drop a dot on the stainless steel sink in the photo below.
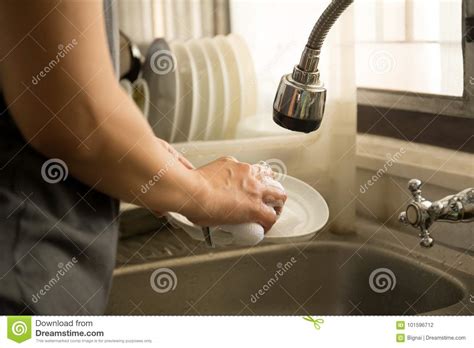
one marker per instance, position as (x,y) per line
(365,273)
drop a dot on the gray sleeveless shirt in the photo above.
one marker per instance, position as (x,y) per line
(57,238)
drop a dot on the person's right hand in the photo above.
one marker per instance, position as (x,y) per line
(232,192)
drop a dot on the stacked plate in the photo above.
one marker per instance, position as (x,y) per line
(199,89)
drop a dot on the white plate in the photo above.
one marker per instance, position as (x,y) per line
(232,86)
(159,71)
(217,96)
(200,91)
(304,214)
(248,77)
(210,93)
(184,98)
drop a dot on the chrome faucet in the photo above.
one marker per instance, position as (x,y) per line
(301,97)
(421,213)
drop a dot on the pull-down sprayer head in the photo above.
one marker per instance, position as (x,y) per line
(301,97)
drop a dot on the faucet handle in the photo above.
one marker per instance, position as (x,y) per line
(416,213)
(414,186)
(403,218)
(426,240)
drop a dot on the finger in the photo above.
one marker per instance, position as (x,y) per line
(278,209)
(274,196)
(267,217)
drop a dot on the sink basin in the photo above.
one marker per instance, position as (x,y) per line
(335,277)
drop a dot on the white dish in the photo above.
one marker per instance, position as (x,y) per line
(232,85)
(200,91)
(210,93)
(248,77)
(159,71)
(184,98)
(304,214)
(217,93)
(141,96)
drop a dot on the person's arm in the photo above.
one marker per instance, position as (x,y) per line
(69,105)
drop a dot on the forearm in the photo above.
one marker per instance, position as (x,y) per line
(116,152)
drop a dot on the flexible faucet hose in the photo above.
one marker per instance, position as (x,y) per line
(325,22)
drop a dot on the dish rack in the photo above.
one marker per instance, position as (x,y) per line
(199,89)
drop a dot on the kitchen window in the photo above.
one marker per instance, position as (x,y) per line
(415,68)
(410,45)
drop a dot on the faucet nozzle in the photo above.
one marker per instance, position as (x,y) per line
(301,97)
(299,101)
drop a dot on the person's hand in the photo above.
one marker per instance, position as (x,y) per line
(232,192)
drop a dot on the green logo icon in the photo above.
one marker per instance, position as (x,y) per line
(19,328)
(400,338)
(400,325)
(316,322)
